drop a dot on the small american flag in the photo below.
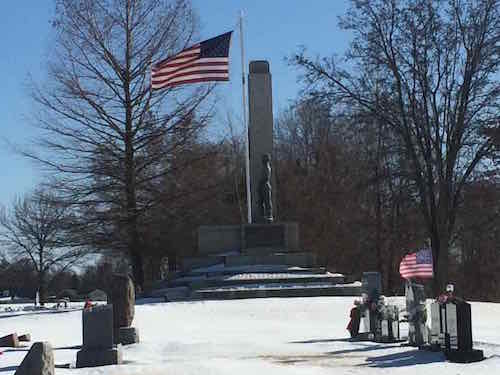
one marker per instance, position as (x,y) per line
(205,61)
(417,264)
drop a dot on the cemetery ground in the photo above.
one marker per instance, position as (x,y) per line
(252,336)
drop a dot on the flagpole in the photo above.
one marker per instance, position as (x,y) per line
(245,123)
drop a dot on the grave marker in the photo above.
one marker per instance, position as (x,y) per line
(98,348)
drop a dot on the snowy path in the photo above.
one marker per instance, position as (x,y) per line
(255,336)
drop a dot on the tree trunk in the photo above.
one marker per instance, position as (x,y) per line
(130,178)
(42,287)
(440,256)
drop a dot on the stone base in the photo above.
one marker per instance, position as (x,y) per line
(216,239)
(129,335)
(475,355)
(99,357)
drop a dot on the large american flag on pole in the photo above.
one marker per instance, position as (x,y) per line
(417,264)
(205,61)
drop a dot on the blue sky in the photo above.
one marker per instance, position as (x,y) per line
(273,29)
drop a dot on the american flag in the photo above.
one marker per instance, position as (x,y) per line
(417,264)
(205,61)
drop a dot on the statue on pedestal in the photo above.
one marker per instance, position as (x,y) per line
(265,190)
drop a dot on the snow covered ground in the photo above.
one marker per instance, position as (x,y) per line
(254,336)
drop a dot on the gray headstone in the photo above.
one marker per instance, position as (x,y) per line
(436,328)
(98,348)
(98,327)
(38,361)
(260,130)
(451,324)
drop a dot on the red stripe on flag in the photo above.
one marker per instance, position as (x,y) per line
(206,79)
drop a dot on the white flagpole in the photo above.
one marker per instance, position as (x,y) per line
(245,123)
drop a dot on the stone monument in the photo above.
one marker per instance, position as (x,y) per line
(122,297)
(39,360)
(260,136)
(264,231)
(98,348)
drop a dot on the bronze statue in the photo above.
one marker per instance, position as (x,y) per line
(265,190)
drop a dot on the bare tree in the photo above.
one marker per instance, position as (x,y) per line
(107,135)
(38,227)
(429,71)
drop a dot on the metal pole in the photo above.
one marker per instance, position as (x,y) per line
(245,123)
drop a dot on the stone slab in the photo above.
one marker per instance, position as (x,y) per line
(128,335)
(11,341)
(38,361)
(214,239)
(26,337)
(278,292)
(219,239)
(97,324)
(290,259)
(99,357)
(225,281)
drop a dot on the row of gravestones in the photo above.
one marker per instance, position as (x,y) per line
(105,329)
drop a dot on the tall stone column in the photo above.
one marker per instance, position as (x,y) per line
(260,132)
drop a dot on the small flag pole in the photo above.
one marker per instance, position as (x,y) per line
(245,123)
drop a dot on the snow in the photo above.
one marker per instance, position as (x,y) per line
(253,336)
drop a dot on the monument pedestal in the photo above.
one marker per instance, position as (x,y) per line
(128,335)
(217,239)
(89,357)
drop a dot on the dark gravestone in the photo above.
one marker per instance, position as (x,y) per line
(122,297)
(98,348)
(371,285)
(452,331)
(38,361)
(11,340)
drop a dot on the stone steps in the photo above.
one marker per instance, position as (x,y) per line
(297,290)
(220,269)
(289,259)
(260,278)
(255,257)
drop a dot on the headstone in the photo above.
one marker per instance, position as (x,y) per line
(371,285)
(25,337)
(98,348)
(38,361)
(389,323)
(417,316)
(260,134)
(11,341)
(452,331)
(122,297)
